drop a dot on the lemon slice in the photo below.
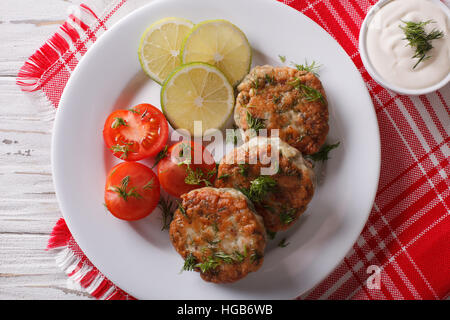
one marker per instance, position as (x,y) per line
(219,43)
(197,92)
(159,50)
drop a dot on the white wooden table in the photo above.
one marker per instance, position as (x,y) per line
(28,206)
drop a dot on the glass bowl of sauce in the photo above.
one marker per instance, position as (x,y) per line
(405,45)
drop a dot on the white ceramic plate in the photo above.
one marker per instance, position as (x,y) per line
(138,256)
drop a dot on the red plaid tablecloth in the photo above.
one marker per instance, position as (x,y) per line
(408,232)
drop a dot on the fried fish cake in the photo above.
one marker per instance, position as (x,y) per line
(219,234)
(287,99)
(279,198)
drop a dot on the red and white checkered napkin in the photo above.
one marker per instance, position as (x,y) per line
(408,232)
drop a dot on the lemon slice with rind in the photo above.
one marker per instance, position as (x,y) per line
(160,46)
(197,92)
(222,44)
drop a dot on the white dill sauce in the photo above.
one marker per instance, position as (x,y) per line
(390,54)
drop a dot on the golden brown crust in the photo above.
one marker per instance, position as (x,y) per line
(270,93)
(282,207)
(219,226)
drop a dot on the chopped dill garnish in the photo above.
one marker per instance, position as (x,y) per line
(124,148)
(161,155)
(255,85)
(276,99)
(255,123)
(313,67)
(122,190)
(224,257)
(260,187)
(148,185)
(167,209)
(243,169)
(255,257)
(224,176)
(183,210)
(282,58)
(310,94)
(239,257)
(189,263)
(323,153)
(419,39)
(214,242)
(287,216)
(210,264)
(283,243)
(118,122)
(197,176)
(269,79)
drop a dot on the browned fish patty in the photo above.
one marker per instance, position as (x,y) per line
(287,99)
(219,234)
(292,184)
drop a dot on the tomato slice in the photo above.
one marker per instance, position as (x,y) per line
(137,133)
(132,191)
(186,167)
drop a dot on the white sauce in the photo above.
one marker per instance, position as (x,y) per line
(391,57)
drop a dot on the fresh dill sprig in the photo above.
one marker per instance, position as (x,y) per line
(255,257)
(243,169)
(310,94)
(283,243)
(197,176)
(323,153)
(210,264)
(255,123)
(269,79)
(239,257)
(167,209)
(224,176)
(122,190)
(118,122)
(218,257)
(189,263)
(183,211)
(276,99)
(312,67)
(161,155)
(261,186)
(287,216)
(124,148)
(227,258)
(419,39)
(214,242)
(148,185)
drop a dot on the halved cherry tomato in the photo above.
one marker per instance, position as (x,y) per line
(187,166)
(137,133)
(132,191)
